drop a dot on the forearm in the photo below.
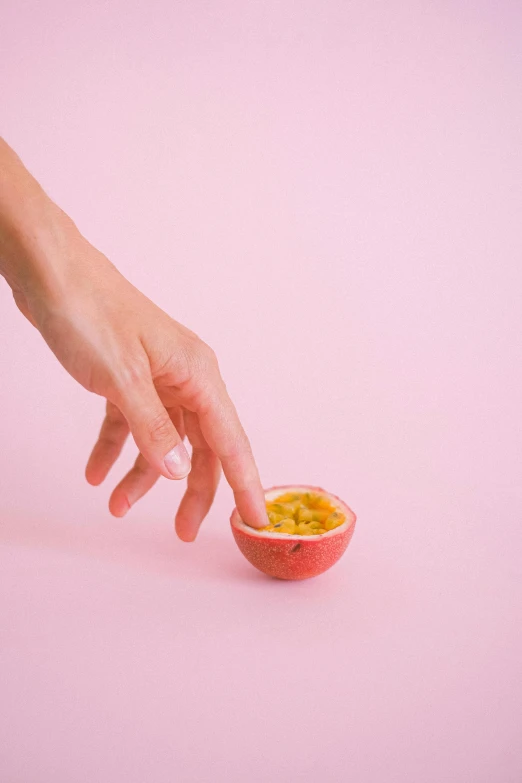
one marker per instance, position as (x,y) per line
(34,232)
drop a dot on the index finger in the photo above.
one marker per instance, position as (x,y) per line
(226,437)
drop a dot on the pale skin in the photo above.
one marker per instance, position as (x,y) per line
(161,382)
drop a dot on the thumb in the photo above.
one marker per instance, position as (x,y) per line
(154,433)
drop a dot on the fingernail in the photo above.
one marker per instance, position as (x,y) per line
(177,462)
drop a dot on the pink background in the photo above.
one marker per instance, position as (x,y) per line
(330,194)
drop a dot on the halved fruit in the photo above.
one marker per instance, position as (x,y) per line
(307,531)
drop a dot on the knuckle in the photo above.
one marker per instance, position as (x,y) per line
(239,446)
(114,418)
(108,440)
(203,358)
(130,375)
(139,468)
(209,355)
(116,430)
(159,428)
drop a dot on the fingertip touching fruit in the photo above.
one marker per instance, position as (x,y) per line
(307,531)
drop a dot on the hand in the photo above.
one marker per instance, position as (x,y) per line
(161,382)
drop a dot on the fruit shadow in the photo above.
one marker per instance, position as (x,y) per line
(139,545)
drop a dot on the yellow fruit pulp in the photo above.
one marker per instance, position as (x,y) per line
(302,513)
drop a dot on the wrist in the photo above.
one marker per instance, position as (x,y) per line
(43,256)
(36,237)
(34,242)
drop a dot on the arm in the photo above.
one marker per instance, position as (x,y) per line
(161,382)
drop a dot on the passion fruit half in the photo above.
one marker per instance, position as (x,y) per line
(307,531)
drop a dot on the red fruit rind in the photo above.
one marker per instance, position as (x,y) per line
(294,556)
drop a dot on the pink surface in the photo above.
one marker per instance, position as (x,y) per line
(330,194)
